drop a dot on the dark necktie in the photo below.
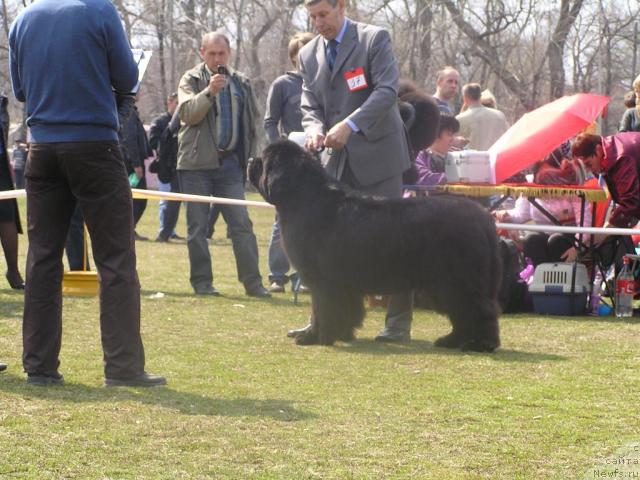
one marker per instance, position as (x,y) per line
(332,52)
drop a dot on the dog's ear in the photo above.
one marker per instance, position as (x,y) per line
(425,121)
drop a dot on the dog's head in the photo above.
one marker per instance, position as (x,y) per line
(283,170)
(423,114)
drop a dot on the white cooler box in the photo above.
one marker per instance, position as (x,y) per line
(551,289)
(468,166)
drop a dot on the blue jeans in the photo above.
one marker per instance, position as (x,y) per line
(168,210)
(278,262)
(226,181)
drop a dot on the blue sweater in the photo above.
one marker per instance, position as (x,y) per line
(67,57)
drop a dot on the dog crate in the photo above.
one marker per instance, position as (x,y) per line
(469,166)
(552,291)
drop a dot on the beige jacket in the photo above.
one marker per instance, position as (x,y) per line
(482,126)
(197,148)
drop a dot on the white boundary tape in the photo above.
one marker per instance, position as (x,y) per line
(154,195)
(183,197)
(559,229)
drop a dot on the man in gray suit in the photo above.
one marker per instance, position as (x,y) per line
(350,109)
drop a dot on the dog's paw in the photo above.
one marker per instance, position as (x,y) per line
(307,338)
(480,345)
(347,336)
(449,341)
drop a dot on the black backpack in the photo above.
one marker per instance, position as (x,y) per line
(168,152)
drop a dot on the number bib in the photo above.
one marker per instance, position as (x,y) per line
(356,79)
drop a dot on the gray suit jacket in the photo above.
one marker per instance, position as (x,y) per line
(380,150)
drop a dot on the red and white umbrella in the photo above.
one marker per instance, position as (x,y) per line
(539,132)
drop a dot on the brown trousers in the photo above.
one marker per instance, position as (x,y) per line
(92,174)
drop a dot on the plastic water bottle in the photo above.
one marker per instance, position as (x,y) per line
(625,288)
(594,302)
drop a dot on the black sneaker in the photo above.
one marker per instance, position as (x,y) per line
(45,380)
(258,292)
(3,367)
(142,380)
(388,335)
(207,290)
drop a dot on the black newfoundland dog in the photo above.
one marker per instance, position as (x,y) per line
(346,245)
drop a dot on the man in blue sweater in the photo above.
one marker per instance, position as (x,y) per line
(67,57)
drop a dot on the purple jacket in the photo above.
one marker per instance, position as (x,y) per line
(621,168)
(428,173)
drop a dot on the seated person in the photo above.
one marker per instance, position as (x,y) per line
(541,247)
(430,162)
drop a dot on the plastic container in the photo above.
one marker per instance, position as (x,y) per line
(469,166)
(551,289)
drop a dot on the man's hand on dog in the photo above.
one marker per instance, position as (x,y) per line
(338,136)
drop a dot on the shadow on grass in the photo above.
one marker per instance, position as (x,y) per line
(12,305)
(274,300)
(184,402)
(424,347)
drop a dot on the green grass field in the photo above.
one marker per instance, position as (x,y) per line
(559,400)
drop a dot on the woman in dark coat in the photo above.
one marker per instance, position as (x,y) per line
(9,216)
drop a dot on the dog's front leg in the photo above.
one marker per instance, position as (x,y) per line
(323,319)
(309,334)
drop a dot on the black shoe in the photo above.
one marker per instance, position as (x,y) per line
(299,331)
(45,380)
(258,292)
(15,280)
(143,380)
(175,236)
(140,238)
(208,290)
(160,239)
(393,336)
(3,367)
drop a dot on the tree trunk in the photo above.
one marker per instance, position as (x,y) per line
(160,29)
(5,19)
(489,54)
(555,49)
(424,44)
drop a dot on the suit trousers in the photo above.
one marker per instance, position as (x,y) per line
(226,181)
(60,176)
(400,309)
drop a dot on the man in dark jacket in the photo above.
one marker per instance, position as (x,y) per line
(168,211)
(74,159)
(135,149)
(283,116)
